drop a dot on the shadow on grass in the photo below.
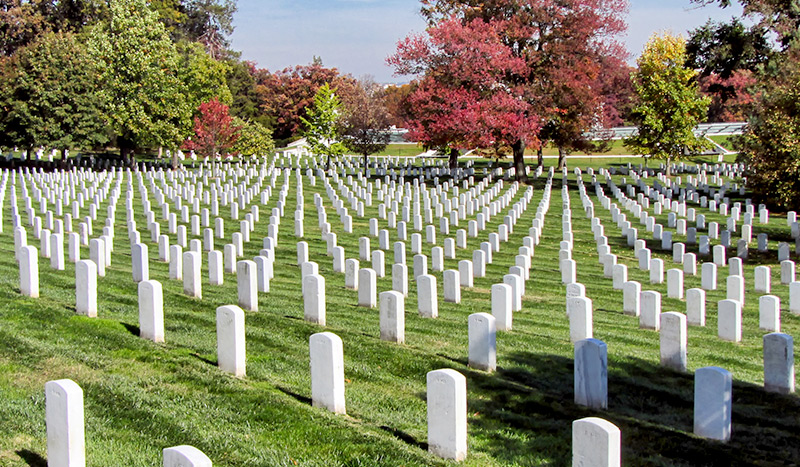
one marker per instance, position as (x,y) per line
(31,458)
(298,397)
(526,409)
(132,329)
(405,437)
(203,359)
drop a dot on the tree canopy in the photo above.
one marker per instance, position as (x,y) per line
(670,106)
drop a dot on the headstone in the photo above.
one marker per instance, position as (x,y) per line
(631,293)
(696,307)
(351,268)
(735,288)
(367,288)
(447,414)
(29,271)
(729,321)
(215,275)
(501,306)
(327,372)
(466,273)
(247,285)
(151,311)
(787,272)
(400,278)
(769,313)
(712,403)
(66,445)
(596,443)
(673,340)
(482,345)
(709,276)
(762,280)
(427,299)
(591,373)
(650,317)
(452,286)
(675,284)
(231,352)
(192,283)
(314,299)
(620,276)
(779,363)
(185,456)
(86,288)
(656,271)
(579,310)
(392,316)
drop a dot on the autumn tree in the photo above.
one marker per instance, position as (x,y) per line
(140,77)
(214,130)
(670,106)
(364,123)
(321,124)
(395,102)
(286,95)
(524,66)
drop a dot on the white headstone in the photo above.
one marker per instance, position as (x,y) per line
(447,414)
(151,311)
(66,446)
(327,372)
(591,373)
(231,353)
(713,399)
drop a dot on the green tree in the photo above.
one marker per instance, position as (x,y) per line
(254,139)
(204,77)
(321,124)
(52,97)
(670,106)
(140,75)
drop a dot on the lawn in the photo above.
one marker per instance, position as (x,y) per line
(141,397)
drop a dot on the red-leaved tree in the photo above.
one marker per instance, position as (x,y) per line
(214,130)
(526,70)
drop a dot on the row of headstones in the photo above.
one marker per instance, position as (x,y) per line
(779,362)
(769,305)
(639,210)
(679,208)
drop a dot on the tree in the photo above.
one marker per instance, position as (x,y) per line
(670,106)
(214,130)
(203,77)
(52,97)
(207,22)
(364,122)
(321,124)
(246,98)
(771,144)
(286,95)
(254,139)
(522,63)
(394,101)
(140,77)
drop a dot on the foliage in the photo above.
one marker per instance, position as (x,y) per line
(287,94)
(516,66)
(669,104)
(204,77)
(246,98)
(140,76)
(732,99)
(51,96)
(254,139)
(321,124)
(214,130)
(207,22)
(394,101)
(364,121)
(771,144)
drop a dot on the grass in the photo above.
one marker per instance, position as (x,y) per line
(726,141)
(141,397)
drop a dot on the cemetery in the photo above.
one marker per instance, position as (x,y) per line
(279,311)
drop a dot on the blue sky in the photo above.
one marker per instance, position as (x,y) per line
(356,36)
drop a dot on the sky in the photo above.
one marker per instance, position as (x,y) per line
(356,36)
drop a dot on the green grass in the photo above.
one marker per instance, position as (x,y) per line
(141,397)
(725,141)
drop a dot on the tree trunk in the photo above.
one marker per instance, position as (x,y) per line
(669,166)
(562,158)
(175,160)
(64,158)
(29,153)
(160,152)
(540,156)
(366,164)
(518,149)
(453,155)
